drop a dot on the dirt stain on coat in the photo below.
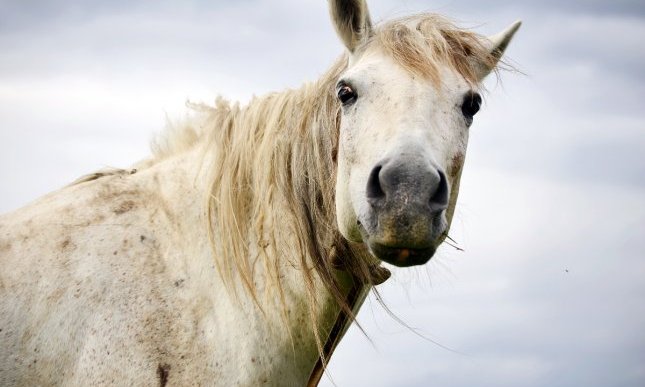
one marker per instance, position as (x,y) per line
(124,207)
(163,371)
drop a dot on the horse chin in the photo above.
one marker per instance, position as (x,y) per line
(401,256)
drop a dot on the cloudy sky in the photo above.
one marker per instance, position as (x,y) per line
(550,290)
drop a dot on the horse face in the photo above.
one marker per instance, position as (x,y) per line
(401,149)
(401,146)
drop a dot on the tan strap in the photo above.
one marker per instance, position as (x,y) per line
(335,335)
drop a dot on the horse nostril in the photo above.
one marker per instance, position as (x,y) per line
(439,199)
(374,190)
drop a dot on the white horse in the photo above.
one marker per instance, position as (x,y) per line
(238,254)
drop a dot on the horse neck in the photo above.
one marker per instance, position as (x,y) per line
(270,211)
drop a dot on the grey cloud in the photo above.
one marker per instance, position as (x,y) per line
(172,36)
(576,115)
(616,162)
(35,14)
(613,44)
(577,7)
(624,7)
(556,148)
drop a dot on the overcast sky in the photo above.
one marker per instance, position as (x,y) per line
(550,290)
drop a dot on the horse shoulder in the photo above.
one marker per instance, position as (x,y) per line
(102,281)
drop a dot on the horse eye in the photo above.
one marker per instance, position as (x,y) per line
(471,104)
(346,95)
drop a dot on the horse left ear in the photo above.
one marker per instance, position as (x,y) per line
(497,45)
(352,22)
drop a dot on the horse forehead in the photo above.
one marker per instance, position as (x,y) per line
(377,69)
(381,72)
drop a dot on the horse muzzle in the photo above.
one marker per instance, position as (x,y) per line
(407,197)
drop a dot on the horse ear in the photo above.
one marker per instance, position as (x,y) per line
(352,21)
(497,45)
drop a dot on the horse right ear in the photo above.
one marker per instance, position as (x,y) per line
(352,22)
(497,44)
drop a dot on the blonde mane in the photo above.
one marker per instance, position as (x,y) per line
(274,163)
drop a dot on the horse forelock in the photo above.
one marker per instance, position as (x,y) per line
(424,43)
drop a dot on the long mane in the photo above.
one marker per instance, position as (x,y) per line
(270,195)
(272,189)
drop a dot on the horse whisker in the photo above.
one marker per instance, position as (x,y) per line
(454,243)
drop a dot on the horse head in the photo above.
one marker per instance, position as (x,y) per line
(408,97)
